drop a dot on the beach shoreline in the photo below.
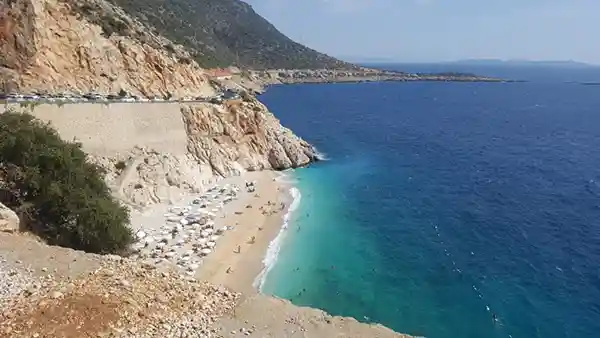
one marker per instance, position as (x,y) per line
(240,260)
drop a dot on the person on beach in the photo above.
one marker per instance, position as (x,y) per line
(252,240)
(228,270)
(238,250)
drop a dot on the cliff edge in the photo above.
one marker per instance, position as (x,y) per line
(243,135)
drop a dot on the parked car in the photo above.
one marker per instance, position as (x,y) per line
(216,100)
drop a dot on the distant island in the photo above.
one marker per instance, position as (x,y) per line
(519,62)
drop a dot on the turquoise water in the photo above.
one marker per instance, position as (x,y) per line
(443,205)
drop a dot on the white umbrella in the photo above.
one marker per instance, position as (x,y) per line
(205,251)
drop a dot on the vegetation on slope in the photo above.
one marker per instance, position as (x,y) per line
(225,32)
(62,197)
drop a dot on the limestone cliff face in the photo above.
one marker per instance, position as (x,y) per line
(242,136)
(49,45)
(159,152)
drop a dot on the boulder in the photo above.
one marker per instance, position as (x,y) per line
(9,221)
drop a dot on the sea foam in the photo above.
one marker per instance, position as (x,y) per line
(275,246)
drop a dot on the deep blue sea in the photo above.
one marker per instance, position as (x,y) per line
(442,205)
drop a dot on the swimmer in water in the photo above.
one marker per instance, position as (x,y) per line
(494,317)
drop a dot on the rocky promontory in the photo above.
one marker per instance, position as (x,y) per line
(243,135)
(291,76)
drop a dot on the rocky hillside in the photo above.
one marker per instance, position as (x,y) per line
(222,141)
(66,45)
(225,32)
(243,135)
(157,152)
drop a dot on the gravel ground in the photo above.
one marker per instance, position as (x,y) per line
(12,282)
(122,298)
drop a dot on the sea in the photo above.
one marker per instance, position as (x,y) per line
(467,210)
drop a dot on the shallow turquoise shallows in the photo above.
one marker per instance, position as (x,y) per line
(445,205)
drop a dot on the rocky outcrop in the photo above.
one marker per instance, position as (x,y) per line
(158,152)
(9,221)
(49,45)
(242,136)
(291,76)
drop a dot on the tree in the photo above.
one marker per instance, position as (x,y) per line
(62,195)
(123,93)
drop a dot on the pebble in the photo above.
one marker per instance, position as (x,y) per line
(56,295)
(13,283)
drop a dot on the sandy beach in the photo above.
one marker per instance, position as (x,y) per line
(220,235)
(256,219)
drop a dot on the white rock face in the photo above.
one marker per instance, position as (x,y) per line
(9,221)
(243,137)
(213,141)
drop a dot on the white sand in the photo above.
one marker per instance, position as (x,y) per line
(203,251)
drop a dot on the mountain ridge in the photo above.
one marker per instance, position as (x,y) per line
(221,33)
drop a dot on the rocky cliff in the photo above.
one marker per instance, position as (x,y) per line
(158,152)
(222,141)
(50,45)
(242,135)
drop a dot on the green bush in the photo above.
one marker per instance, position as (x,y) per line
(62,196)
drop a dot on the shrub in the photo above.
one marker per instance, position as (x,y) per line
(120,165)
(246,96)
(62,196)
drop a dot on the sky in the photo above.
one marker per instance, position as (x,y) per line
(441,30)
